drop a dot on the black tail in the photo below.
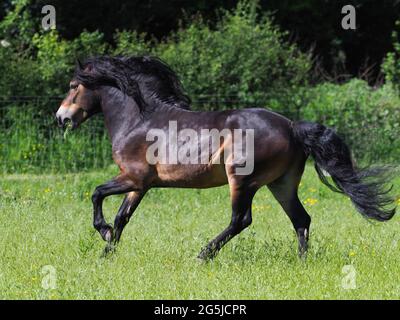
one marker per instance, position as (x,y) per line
(365,187)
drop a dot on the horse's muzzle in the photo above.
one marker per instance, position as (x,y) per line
(65,115)
(62,121)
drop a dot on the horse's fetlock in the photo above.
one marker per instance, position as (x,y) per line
(247,220)
(97,225)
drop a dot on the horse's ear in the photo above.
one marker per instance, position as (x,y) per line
(79,64)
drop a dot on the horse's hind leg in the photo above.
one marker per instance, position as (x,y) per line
(285,192)
(241,218)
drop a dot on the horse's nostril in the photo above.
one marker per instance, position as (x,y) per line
(62,121)
(65,121)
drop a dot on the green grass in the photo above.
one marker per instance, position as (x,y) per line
(47,220)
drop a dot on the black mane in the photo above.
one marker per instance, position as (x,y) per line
(148,80)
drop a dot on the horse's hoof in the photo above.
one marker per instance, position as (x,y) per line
(201,258)
(303,255)
(108,250)
(206,255)
(303,248)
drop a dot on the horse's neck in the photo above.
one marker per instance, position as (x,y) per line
(121,113)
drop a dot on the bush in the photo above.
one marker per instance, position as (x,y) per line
(391,64)
(132,43)
(244,60)
(56,58)
(35,62)
(368,119)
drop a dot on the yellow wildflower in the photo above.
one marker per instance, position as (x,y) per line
(310,201)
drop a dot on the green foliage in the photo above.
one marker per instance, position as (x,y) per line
(245,58)
(131,43)
(18,26)
(16,32)
(34,62)
(48,69)
(18,75)
(56,57)
(391,64)
(368,119)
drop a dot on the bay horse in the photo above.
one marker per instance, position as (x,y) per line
(137,94)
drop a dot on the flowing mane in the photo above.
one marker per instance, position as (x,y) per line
(148,80)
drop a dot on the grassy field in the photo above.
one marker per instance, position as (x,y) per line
(50,251)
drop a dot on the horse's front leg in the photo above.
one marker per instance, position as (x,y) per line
(128,207)
(118,185)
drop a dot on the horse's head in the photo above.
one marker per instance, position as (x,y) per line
(79,105)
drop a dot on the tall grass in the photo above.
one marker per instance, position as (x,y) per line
(30,141)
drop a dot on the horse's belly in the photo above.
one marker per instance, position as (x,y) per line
(191,176)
